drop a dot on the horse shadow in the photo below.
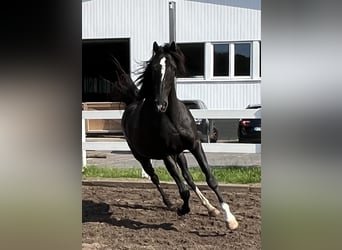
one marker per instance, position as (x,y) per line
(100,212)
(151,208)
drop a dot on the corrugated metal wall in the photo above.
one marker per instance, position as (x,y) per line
(145,21)
(218,20)
(221,95)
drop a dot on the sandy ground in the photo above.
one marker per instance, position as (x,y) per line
(130,216)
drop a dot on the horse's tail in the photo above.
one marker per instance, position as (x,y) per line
(122,88)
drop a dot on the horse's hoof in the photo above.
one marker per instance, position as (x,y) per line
(232,225)
(213,213)
(183,211)
(168,204)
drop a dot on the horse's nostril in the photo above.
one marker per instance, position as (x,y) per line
(161,107)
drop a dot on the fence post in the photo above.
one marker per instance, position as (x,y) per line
(84,153)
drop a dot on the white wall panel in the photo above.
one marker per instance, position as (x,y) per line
(215,20)
(221,95)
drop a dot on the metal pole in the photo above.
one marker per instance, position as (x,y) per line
(172,26)
(84,152)
(172,21)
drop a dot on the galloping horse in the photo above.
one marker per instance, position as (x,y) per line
(158,126)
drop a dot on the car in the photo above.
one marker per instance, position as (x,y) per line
(249,130)
(206,128)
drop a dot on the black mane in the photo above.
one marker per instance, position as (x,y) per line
(145,79)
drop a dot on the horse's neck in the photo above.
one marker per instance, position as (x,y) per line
(173,108)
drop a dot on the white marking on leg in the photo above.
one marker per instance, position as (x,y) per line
(163,67)
(229,217)
(205,201)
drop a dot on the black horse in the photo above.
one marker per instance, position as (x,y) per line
(158,126)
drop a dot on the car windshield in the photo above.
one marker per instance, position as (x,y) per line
(192,106)
(254,107)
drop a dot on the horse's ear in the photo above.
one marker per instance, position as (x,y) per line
(155,47)
(173,46)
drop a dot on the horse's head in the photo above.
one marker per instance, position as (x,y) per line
(160,74)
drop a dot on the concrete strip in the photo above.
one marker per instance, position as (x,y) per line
(145,183)
(126,159)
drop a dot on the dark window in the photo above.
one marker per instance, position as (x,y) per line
(221,59)
(194,59)
(242,59)
(97,64)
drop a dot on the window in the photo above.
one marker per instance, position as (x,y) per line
(194,59)
(221,59)
(242,59)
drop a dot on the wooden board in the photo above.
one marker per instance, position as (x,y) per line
(103,125)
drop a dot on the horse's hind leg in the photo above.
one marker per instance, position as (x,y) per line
(198,152)
(183,189)
(147,166)
(187,176)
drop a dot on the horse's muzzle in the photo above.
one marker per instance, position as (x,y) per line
(161,108)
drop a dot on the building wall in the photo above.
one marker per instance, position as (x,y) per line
(215,20)
(220,95)
(142,21)
(145,21)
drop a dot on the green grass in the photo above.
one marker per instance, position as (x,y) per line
(234,175)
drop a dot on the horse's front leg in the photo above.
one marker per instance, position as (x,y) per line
(212,211)
(148,168)
(199,154)
(183,189)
